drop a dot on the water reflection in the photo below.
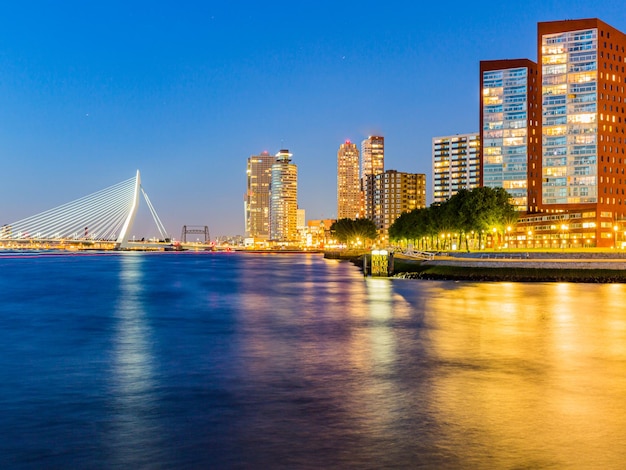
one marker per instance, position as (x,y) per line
(532,367)
(135,434)
(372,404)
(246,361)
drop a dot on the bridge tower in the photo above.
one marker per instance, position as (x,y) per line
(122,239)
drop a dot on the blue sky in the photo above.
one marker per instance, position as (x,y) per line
(92,91)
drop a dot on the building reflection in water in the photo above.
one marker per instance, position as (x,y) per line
(373,402)
(134,435)
(530,367)
(448,375)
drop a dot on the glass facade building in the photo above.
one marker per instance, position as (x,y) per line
(584,122)
(509,122)
(569,95)
(284,199)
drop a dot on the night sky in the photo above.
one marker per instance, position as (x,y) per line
(92,91)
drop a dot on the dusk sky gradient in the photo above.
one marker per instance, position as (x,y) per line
(187,91)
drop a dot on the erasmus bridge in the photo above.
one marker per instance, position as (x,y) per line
(101,220)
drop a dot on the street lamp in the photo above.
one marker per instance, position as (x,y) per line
(615,236)
(530,235)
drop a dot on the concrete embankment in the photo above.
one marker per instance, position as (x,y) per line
(536,261)
(547,267)
(603,267)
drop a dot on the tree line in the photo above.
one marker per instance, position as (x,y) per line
(354,232)
(466,218)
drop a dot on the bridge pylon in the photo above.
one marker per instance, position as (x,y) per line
(122,239)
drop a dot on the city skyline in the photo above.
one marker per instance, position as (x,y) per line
(186,94)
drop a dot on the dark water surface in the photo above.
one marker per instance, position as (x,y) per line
(182,360)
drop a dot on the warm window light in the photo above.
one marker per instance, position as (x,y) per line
(587,118)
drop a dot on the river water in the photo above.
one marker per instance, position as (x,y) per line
(231,360)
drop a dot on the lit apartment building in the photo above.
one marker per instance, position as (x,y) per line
(455,165)
(317,233)
(372,155)
(257,199)
(372,164)
(509,126)
(394,193)
(582,167)
(284,199)
(348,182)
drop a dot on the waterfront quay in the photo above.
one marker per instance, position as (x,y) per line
(567,266)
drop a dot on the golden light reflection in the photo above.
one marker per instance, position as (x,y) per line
(374,352)
(529,364)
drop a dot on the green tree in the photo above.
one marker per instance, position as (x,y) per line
(349,231)
(467,214)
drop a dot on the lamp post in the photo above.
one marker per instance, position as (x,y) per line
(530,235)
(564,233)
(615,236)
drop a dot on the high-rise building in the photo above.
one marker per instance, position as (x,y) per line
(372,164)
(284,199)
(348,182)
(509,126)
(372,156)
(395,193)
(257,199)
(455,165)
(584,119)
